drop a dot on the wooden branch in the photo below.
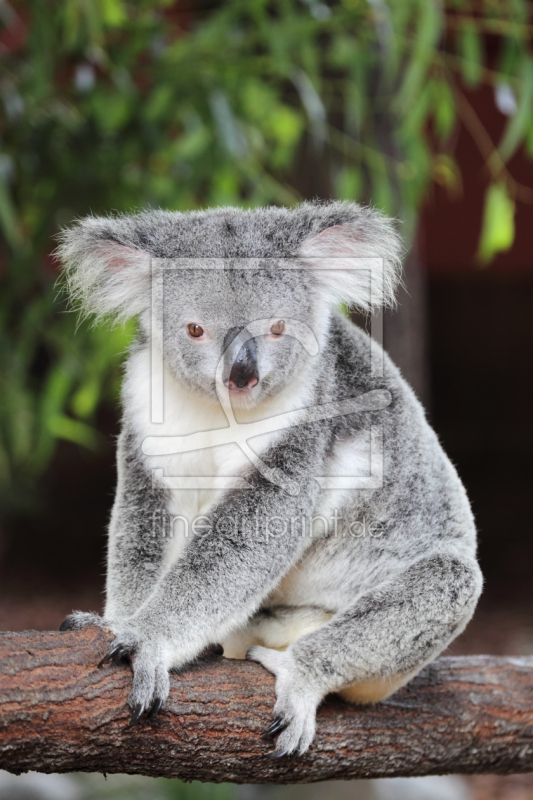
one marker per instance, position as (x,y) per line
(59,713)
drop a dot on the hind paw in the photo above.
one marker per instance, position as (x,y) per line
(294,713)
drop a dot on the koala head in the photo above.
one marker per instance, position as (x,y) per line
(236,300)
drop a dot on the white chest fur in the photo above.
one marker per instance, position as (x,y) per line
(198,477)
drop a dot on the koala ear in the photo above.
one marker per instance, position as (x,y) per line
(357,262)
(104,276)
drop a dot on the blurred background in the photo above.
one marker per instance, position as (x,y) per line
(423,108)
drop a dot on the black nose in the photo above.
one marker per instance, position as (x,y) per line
(243,376)
(241,369)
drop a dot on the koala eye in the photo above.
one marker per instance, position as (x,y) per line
(195,330)
(278,328)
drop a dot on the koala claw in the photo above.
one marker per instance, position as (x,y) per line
(116,654)
(151,683)
(296,702)
(80,619)
(156,708)
(274,728)
(278,754)
(135,717)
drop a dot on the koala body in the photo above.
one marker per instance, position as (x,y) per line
(279,488)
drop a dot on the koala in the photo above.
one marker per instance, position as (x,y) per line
(280,492)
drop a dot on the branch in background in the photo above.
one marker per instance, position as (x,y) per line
(488,150)
(59,713)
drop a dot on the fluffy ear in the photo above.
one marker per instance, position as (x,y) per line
(357,262)
(104,276)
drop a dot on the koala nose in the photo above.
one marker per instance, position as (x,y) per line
(242,383)
(241,369)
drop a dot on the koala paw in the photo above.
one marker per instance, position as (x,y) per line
(80,619)
(296,702)
(151,682)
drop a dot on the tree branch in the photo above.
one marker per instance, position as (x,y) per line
(59,713)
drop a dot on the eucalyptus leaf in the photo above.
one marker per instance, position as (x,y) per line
(471,50)
(498,223)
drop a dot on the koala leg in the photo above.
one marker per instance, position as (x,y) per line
(276,627)
(372,648)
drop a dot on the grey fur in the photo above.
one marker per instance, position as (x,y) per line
(368,608)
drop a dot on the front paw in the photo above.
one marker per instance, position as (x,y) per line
(151,683)
(81,619)
(296,702)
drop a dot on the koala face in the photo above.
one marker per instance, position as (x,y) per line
(244,320)
(242,329)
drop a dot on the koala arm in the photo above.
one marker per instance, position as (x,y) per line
(138,533)
(227,569)
(224,573)
(137,541)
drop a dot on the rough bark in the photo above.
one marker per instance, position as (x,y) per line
(60,713)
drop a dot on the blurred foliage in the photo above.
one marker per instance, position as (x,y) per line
(112,105)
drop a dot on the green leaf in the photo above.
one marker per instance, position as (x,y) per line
(62,427)
(510,57)
(521,123)
(349,184)
(111,110)
(498,223)
(113,12)
(446,173)
(193,143)
(418,113)
(285,124)
(471,50)
(86,398)
(444,109)
(428,31)
(159,103)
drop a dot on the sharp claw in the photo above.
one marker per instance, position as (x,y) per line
(136,715)
(115,654)
(277,754)
(104,661)
(108,657)
(156,708)
(66,625)
(121,653)
(274,728)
